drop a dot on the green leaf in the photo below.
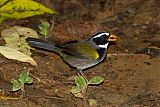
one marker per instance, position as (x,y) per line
(29,80)
(16,85)
(96,80)
(24,78)
(19,9)
(80,82)
(2,2)
(44,28)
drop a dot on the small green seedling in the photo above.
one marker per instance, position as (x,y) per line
(81,87)
(23,79)
(44,28)
(82,84)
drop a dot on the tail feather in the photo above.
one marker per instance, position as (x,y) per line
(42,44)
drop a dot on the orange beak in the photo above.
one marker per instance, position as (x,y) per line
(112,38)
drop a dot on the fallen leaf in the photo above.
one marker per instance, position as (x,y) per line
(78,95)
(76,92)
(75,89)
(92,102)
(16,55)
(15,38)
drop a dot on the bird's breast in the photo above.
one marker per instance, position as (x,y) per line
(102,53)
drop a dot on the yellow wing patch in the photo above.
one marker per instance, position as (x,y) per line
(88,51)
(96,56)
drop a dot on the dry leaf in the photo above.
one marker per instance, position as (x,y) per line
(15,38)
(16,55)
(78,95)
(76,92)
(92,102)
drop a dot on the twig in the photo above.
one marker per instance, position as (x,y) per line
(125,54)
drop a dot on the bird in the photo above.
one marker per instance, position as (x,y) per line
(82,54)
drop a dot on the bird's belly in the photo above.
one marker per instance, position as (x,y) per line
(79,63)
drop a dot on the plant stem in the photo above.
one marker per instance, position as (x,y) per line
(21,96)
(86,104)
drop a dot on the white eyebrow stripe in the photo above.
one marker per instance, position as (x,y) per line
(103,46)
(99,35)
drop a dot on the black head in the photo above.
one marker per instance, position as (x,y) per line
(101,39)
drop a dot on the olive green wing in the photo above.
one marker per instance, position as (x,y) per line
(81,50)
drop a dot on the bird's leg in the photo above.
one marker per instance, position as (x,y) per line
(80,73)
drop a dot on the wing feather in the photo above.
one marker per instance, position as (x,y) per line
(81,50)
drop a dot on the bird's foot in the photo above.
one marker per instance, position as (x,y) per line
(80,73)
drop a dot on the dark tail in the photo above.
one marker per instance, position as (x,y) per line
(42,44)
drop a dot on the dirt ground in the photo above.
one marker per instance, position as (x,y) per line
(131,70)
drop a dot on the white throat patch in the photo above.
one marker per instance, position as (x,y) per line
(103,46)
(99,35)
